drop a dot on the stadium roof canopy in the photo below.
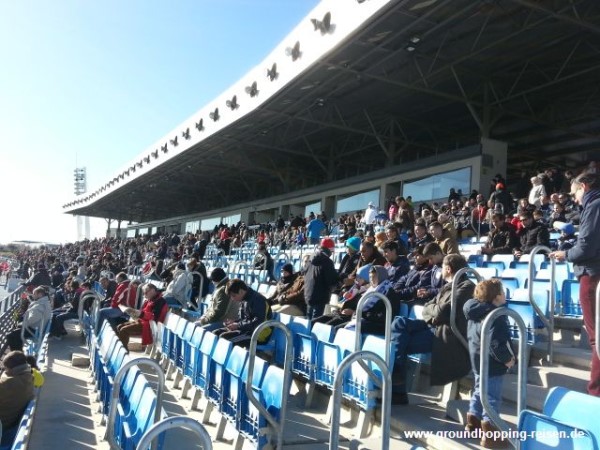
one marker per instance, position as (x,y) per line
(386,83)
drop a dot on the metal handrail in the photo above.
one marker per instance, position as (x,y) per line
(112,412)
(484,364)
(547,321)
(386,398)
(453,304)
(287,376)
(176,422)
(82,299)
(236,267)
(388,322)
(597,330)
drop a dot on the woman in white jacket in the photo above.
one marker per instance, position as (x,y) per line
(536,191)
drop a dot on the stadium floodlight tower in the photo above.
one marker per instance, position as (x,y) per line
(83,222)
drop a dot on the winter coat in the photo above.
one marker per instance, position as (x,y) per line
(586,253)
(536,234)
(181,286)
(155,309)
(221,308)
(319,280)
(449,359)
(16,390)
(501,350)
(405,289)
(254,310)
(501,240)
(125,295)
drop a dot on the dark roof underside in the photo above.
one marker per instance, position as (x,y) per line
(521,71)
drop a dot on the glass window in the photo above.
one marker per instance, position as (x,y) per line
(131,233)
(313,207)
(232,220)
(210,224)
(438,186)
(192,227)
(357,202)
(153,231)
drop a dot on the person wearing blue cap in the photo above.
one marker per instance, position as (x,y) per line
(567,238)
(350,259)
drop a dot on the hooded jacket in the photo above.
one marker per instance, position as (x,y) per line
(221,308)
(319,280)
(16,390)
(181,286)
(501,350)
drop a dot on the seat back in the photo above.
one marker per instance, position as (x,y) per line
(570,298)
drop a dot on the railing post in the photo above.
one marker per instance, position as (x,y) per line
(388,322)
(287,377)
(386,405)
(112,413)
(484,364)
(548,321)
(176,422)
(453,305)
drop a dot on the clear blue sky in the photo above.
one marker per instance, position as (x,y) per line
(95,83)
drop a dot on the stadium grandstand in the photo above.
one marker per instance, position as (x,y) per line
(392,168)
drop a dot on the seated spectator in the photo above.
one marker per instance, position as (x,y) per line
(419,278)
(68,311)
(110,287)
(200,279)
(154,308)
(420,236)
(125,296)
(351,258)
(221,309)
(348,302)
(558,214)
(41,277)
(449,359)
(446,242)
(178,291)
(288,297)
(254,310)
(264,261)
(392,234)
(396,264)
(567,238)
(16,388)
(502,239)
(373,310)
(37,315)
(532,235)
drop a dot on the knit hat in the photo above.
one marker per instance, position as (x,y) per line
(363,272)
(287,268)
(565,227)
(217,275)
(353,243)
(328,243)
(14,359)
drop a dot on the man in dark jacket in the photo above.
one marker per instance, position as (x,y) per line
(585,256)
(254,310)
(532,235)
(502,239)
(319,279)
(39,278)
(433,334)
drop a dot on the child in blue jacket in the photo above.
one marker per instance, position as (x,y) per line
(489,295)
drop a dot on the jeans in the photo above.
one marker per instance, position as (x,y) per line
(409,336)
(494,397)
(57,328)
(107,313)
(315,311)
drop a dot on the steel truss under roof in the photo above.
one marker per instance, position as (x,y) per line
(411,79)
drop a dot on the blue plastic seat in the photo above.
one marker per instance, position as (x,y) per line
(202,357)
(271,395)
(305,349)
(545,433)
(329,356)
(189,351)
(562,409)
(358,386)
(138,422)
(216,371)
(520,273)
(570,298)
(498,265)
(233,384)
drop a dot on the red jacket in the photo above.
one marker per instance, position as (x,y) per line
(155,309)
(125,295)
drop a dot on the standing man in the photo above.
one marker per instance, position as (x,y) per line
(320,279)
(314,228)
(585,256)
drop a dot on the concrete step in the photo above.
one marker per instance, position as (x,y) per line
(550,376)
(536,395)
(564,355)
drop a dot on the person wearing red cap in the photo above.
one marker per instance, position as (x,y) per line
(501,197)
(320,279)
